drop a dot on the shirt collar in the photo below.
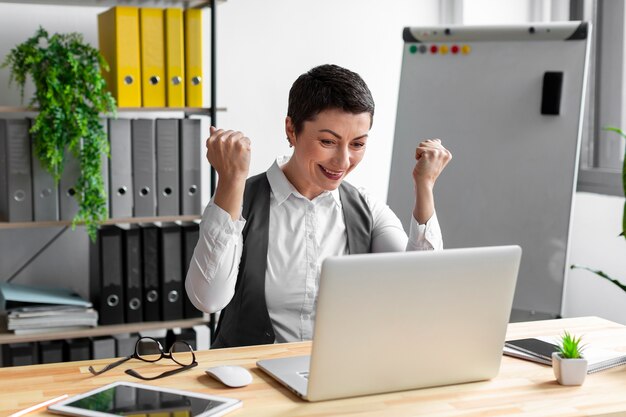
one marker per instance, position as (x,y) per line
(282,188)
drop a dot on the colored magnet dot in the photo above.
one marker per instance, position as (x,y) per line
(423,49)
(413,49)
(454,49)
(433,49)
(465,49)
(443,49)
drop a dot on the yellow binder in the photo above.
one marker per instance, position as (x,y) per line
(118,38)
(174,58)
(152,57)
(193,57)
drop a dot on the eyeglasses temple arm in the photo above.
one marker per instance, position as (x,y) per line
(136,374)
(109,366)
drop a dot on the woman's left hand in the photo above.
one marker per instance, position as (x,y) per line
(431,158)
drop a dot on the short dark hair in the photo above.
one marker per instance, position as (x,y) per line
(328,87)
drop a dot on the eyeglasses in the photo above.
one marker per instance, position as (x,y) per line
(148,349)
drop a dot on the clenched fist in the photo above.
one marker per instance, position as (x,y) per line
(228,152)
(431,158)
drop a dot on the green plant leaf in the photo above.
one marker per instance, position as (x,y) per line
(601,274)
(570,347)
(71,95)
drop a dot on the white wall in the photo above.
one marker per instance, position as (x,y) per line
(265,46)
(595,243)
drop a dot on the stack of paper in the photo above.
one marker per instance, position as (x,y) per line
(26,310)
(27,320)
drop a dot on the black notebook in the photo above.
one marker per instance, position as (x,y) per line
(540,350)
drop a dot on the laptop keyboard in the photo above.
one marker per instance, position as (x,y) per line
(304,374)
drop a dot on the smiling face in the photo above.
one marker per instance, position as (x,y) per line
(326,150)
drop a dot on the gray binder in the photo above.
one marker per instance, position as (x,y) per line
(105,166)
(45,191)
(167,167)
(120,169)
(144,167)
(16,195)
(190,158)
(68,205)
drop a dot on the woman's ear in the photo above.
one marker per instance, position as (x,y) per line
(290,131)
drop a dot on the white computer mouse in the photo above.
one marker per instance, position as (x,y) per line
(230,375)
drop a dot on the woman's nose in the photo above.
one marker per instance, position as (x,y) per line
(342,158)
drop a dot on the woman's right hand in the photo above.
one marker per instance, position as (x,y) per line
(228,152)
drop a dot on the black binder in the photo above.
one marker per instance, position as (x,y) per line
(170,251)
(185,335)
(77,349)
(190,239)
(50,351)
(150,266)
(133,277)
(106,272)
(102,347)
(19,354)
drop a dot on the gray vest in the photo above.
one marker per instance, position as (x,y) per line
(245,320)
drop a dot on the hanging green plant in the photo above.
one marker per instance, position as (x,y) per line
(70,97)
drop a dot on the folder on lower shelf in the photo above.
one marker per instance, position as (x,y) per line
(19,354)
(120,168)
(168,177)
(150,256)
(174,58)
(152,56)
(106,275)
(118,39)
(77,349)
(193,57)
(125,343)
(133,292)
(16,195)
(102,347)
(144,167)
(187,335)
(190,166)
(190,236)
(50,351)
(171,272)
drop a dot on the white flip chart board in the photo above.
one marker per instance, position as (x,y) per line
(508,103)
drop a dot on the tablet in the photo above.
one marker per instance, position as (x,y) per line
(132,399)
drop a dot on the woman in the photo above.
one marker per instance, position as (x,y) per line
(262,240)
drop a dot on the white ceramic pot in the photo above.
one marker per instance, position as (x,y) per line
(569,371)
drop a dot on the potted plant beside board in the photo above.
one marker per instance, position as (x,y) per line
(568,363)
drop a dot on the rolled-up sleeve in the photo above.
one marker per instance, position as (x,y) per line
(212,274)
(388,235)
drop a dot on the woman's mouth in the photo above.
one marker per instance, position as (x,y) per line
(333,175)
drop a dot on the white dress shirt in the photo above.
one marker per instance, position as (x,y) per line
(302,233)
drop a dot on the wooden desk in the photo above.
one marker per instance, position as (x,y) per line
(521,388)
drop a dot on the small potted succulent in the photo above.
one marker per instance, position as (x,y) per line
(568,363)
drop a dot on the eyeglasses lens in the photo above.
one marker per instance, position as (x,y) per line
(148,350)
(181,353)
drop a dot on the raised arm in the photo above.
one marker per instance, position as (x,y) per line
(212,274)
(431,158)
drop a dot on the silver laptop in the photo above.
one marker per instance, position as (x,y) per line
(398,321)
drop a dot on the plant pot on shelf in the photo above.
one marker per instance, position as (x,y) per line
(569,371)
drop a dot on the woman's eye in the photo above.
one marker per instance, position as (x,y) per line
(358,144)
(326,142)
